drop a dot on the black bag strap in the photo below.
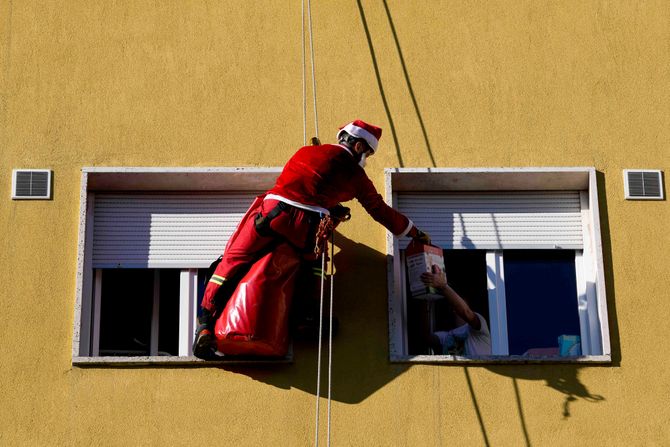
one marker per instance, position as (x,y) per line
(262,223)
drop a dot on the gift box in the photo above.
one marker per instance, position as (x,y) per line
(420,258)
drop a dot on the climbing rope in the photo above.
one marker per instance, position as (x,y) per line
(324,250)
(330,326)
(304,73)
(304,81)
(324,254)
(318,357)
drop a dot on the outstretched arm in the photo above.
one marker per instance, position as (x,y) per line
(438,279)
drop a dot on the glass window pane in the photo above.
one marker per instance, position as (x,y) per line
(168,328)
(541,293)
(125,311)
(126,308)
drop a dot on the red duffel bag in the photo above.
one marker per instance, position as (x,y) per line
(255,320)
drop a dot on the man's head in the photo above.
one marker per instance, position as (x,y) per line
(360,137)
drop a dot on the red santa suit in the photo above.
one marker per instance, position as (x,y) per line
(315,179)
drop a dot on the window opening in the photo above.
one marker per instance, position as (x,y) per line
(504,218)
(466,273)
(168,332)
(139,312)
(541,299)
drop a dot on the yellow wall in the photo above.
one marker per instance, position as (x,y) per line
(207,83)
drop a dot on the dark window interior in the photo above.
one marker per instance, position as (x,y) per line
(126,309)
(541,292)
(466,273)
(168,329)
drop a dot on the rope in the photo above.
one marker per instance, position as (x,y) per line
(304,81)
(318,358)
(323,253)
(311,47)
(330,327)
(330,336)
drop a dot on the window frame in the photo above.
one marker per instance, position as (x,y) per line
(188,296)
(133,179)
(588,261)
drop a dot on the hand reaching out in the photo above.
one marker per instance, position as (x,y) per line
(437,278)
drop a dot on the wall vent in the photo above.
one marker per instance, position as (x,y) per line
(31,184)
(643,184)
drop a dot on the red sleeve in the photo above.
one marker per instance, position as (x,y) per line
(397,223)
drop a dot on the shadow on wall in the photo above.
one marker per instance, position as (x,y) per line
(615,341)
(360,349)
(563,378)
(380,85)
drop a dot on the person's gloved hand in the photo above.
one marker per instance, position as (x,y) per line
(340,213)
(422,237)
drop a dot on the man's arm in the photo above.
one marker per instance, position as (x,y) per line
(396,222)
(438,279)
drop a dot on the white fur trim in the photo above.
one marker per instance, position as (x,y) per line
(316,209)
(409,227)
(359,132)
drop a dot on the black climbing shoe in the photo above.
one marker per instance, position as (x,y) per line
(204,346)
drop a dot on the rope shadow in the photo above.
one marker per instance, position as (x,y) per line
(517,394)
(473,396)
(409,83)
(375,65)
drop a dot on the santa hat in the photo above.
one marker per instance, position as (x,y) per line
(360,129)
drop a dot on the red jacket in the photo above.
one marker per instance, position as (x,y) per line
(329,174)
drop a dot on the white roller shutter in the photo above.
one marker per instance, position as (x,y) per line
(164,231)
(497,220)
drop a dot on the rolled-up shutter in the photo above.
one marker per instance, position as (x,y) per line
(496,220)
(164,231)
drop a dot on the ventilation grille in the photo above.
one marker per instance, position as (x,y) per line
(31,184)
(643,184)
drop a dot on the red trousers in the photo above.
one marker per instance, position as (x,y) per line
(246,245)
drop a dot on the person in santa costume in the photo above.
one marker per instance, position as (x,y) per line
(313,182)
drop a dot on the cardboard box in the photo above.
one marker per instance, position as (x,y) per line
(420,258)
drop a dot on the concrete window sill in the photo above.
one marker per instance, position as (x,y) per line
(498,360)
(172,361)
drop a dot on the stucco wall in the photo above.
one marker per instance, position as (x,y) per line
(453,84)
